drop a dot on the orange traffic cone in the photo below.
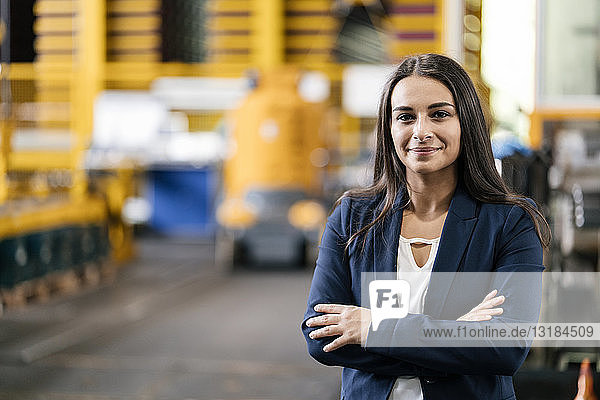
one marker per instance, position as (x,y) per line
(585,383)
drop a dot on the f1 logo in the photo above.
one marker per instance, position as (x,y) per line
(389,299)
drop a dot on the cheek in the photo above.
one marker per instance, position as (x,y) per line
(400,139)
(452,135)
(399,147)
(455,144)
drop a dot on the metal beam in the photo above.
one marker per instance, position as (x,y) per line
(268,37)
(88,80)
(6,94)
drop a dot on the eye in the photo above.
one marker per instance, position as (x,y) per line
(404,117)
(440,114)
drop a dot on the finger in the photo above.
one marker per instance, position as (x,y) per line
(487,313)
(330,330)
(327,319)
(330,308)
(475,317)
(490,295)
(496,301)
(481,315)
(336,344)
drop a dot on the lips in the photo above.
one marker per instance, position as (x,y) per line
(424,151)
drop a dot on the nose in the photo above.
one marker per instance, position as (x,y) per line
(421,130)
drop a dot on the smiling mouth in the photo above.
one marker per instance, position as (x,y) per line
(424,151)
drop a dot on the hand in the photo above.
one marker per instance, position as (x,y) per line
(484,310)
(350,323)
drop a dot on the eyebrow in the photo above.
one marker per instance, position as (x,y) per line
(434,105)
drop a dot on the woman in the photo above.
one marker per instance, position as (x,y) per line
(437,204)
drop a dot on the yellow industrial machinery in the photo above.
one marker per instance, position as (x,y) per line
(276,162)
(52,226)
(274,132)
(281,147)
(284,145)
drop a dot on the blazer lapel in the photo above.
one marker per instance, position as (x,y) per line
(386,238)
(385,244)
(456,235)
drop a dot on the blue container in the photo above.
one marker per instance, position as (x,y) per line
(183,200)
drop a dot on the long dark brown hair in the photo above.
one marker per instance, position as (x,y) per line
(476,168)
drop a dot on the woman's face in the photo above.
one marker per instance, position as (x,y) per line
(425,126)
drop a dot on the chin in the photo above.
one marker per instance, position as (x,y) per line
(428,169)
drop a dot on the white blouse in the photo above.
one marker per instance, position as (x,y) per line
(418,279)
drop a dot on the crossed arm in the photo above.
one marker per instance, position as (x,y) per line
(335,328)
(351,323)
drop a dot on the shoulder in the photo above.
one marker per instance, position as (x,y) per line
(357,204)
(354,211)
(504,210)
(467,205)
(509,219)
(516,240)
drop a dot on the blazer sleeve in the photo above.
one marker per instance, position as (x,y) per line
(332,284)
(519,251)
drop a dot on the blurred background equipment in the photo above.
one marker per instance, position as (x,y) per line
(549,122)
(276,162)
(140,131)
(128,116)
(55,232)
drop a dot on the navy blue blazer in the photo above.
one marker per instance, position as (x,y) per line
(476,237)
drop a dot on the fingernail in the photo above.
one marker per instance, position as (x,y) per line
(326,349)
(311,335)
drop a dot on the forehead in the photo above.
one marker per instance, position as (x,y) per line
(415,90)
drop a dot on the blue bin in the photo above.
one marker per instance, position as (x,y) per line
(183,200)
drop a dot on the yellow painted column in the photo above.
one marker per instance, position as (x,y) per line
(349,136)
(6,117)
(88,81)
(5,131)
(268,37)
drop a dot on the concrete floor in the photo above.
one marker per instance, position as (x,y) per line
(170,327)
(173,326)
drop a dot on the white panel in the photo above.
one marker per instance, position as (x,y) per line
(453,29)
(201,93)
(127,120)
(362,87)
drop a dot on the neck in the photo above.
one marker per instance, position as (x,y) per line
(431,194)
